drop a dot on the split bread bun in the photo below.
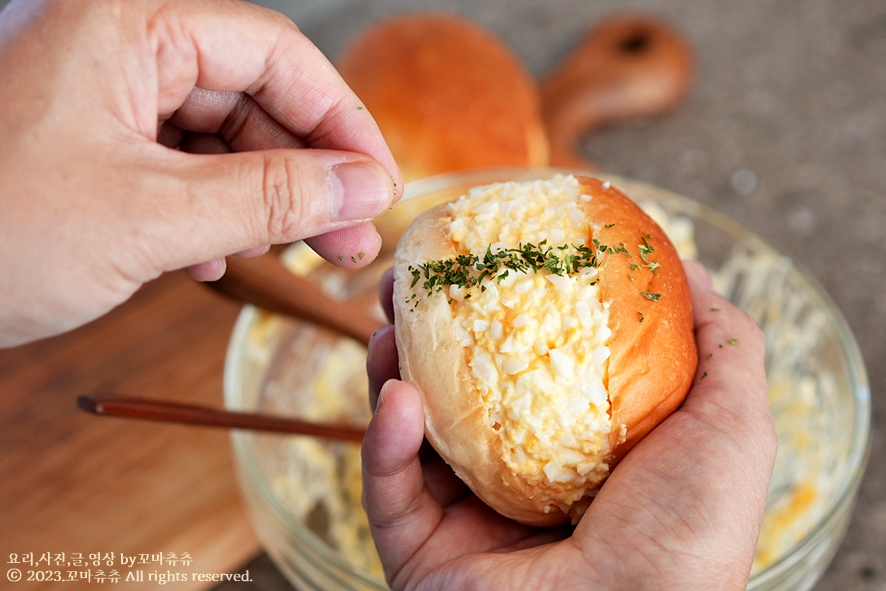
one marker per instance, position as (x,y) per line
(548,327)
(447,95)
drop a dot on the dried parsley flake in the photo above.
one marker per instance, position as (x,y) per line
(469,270)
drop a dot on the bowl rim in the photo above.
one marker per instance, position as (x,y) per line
(859,450)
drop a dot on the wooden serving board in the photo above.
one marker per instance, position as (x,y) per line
(76,483)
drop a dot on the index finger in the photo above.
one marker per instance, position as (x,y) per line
(240,47)
(731,351)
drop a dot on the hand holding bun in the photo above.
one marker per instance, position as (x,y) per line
(548,327)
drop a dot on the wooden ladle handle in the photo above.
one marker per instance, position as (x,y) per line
(264,282)
(625,67)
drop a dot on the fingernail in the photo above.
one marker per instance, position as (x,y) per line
(360,190)
(381,396)
(208,271)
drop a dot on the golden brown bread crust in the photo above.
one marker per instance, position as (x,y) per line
(652,362)
(653,352)
(447,95)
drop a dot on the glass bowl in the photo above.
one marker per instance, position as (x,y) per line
(304,494)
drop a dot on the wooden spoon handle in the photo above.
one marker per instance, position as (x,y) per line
(626,67)
(264,282)
(118,405)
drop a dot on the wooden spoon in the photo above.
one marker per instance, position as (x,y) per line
(119,405)
(264,281)
(624,68)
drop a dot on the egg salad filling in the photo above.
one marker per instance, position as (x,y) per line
(539,339)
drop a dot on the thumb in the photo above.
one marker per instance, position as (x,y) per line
(402,513)
(219,204)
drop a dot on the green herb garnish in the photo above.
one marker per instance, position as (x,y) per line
(645,250)
(469,270)
(652,296)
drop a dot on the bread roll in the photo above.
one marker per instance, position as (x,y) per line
(536,379)
(447,94)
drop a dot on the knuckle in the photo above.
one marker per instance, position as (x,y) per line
(284,208)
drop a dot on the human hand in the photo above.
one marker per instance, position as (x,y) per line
(142,136)
(681,511)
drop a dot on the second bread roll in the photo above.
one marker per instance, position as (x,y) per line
(447,94)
